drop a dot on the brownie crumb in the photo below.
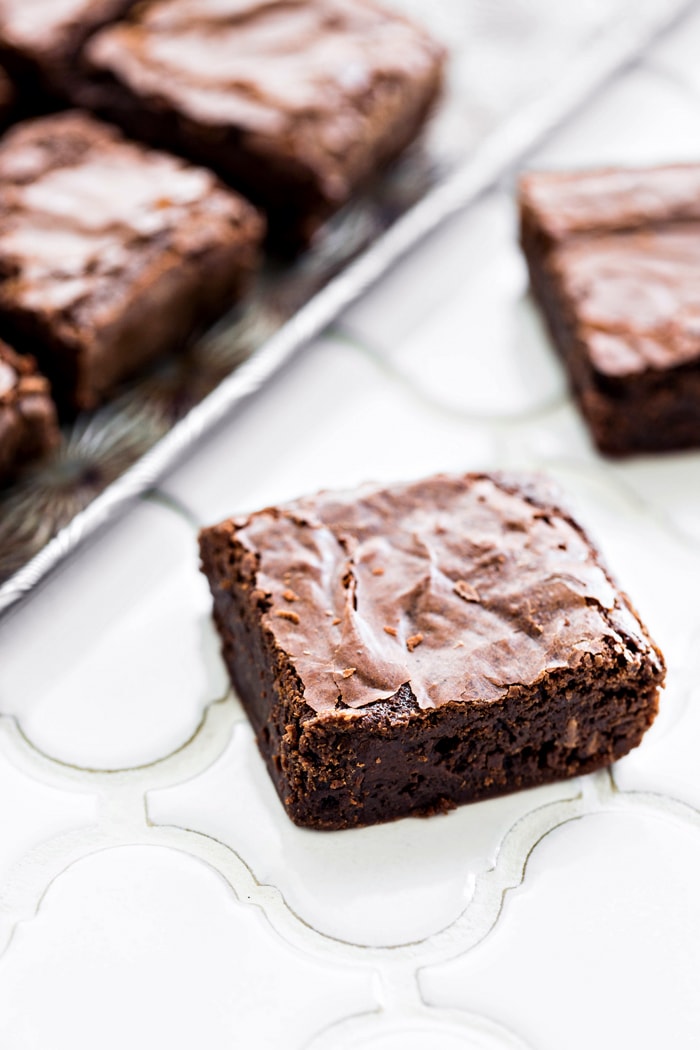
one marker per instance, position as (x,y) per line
(290,596)
(392,631)
(466,591)
(413,642)
(287,614)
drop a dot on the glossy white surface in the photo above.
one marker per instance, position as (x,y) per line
(596,949)
(331,881)
(125,655)
(189,965)
(172,903)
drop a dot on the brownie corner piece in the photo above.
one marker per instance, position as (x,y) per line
(614,262)
(28,423)
(402,651)
(295,104)
(111,253)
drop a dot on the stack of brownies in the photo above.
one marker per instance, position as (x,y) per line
(112,251)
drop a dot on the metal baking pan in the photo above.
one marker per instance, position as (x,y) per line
(518,69)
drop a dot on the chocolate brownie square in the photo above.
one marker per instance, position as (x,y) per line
(40,40)
(405,650)
(28,425)
(294,102)
(111,253)
(614,260)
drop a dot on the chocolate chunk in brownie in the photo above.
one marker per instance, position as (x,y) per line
(111,253)
(294,103)
(614,259)
(405,650)
(40,40)
(28,426)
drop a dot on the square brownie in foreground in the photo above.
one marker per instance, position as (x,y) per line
(28,424)
(614,260)
(405,650)
(111,253)
(40,41)
(294,102)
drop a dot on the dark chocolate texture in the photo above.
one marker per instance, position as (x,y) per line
(614,258)
(111,253)
(295,102)
(408,649)
(28,425)
(8,98)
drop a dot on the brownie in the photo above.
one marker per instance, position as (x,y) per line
(405,650)
(28,425)
(614,260)
(294,102)
(40,40)
(111,253)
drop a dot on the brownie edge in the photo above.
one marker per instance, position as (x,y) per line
(406,650)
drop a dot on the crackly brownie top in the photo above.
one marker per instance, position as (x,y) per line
(609,200)
(85,216)
(272,68)
(458,586)
(636,296)
(625,244)
(43,26)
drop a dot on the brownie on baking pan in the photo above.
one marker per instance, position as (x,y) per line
(111,253)
(294,102)
(614,260)
(28,425)
(40,39)
(405,650)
